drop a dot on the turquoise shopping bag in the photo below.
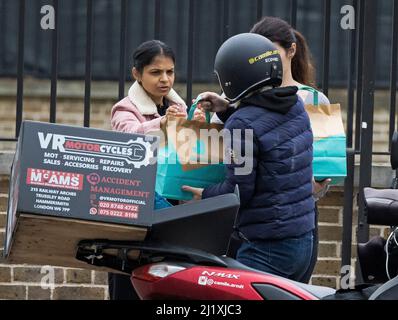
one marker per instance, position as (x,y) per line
(160,202)
(174,171)
(329,140)
(330,159)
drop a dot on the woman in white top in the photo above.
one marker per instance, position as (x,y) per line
(298,70)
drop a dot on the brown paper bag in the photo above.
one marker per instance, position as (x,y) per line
(189,156)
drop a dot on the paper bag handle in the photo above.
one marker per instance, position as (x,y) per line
(193,108)
(314,93)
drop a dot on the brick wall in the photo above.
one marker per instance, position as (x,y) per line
(327,269)
(70,106)
(69,112)
(24,281)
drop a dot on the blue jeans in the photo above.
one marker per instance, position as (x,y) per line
(288,258)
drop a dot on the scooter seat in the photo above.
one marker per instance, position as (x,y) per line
(317,291)
(381,206)
(388,291)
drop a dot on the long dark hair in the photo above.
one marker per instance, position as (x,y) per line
(147,51)
(278,30)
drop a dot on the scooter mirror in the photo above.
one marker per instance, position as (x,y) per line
(394,151)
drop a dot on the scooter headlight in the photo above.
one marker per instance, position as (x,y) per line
(156,271)
(162,270)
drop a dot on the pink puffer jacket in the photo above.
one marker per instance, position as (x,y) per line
(137,113)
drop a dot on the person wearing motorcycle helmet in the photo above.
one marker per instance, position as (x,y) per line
(276,217)
(298,70)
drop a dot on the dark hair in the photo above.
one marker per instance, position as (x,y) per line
(278,30)
(147,51)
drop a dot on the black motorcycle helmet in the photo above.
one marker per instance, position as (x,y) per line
(247,62)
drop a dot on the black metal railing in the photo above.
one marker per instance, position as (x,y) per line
(122,48)
(394,67)
(21,50)
(326,46)
(89,58)
(54,65)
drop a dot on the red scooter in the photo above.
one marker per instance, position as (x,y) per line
(199,269)
(220,278)
(172,272)
(164,269)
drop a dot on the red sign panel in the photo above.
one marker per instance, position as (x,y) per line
(55,179)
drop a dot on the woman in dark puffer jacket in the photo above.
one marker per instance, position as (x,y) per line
(276,217)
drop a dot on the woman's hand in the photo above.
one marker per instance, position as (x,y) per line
(197,192)
(172,111)
(319,189)
(211,101)
(175,111)
(199,114)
